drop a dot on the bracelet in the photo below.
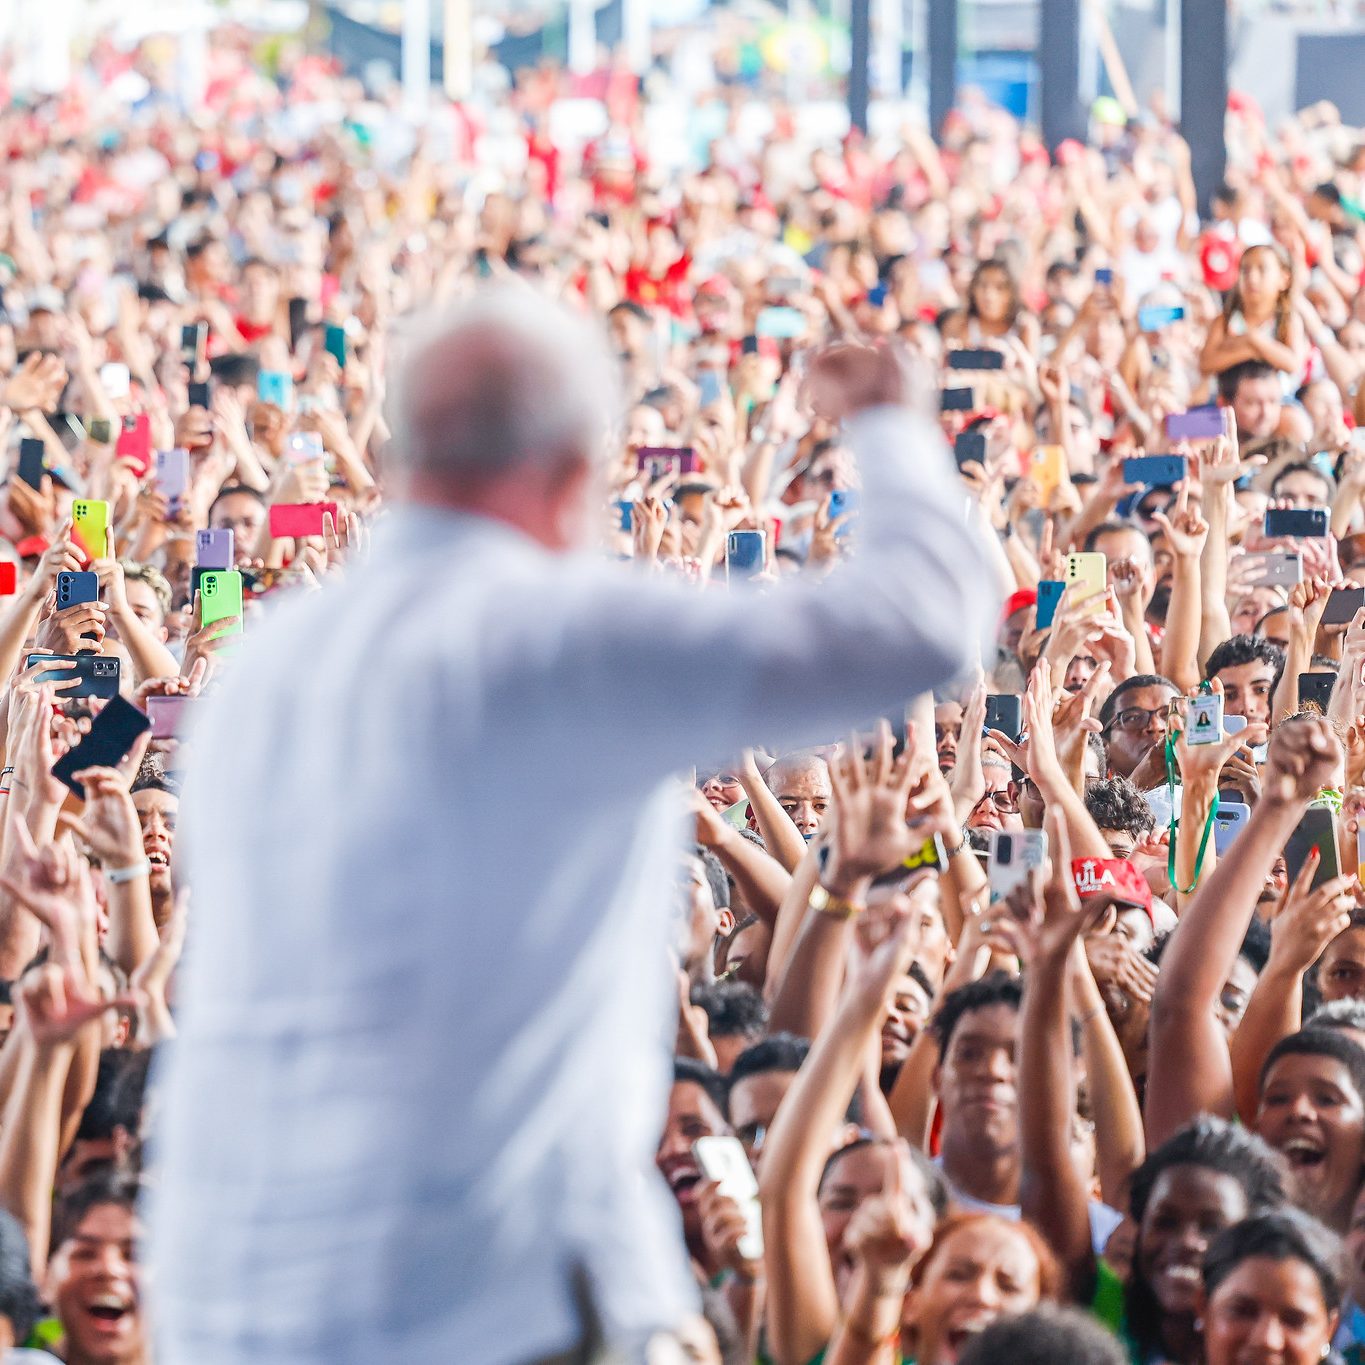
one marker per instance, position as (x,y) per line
(116,876)
(836,907)
(953,852)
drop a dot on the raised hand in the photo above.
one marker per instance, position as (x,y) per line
(1304,756)
(55,1003)
(1307,920)
(870,794)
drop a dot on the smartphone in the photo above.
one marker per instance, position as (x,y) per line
(112,733)
(97,675)
(1005,712)
(710,387)
(1315,689)
(1014,854)
(1091,573)
(90,526)
(843,501)
(782,323)
(724,1161)
(1227,824)
(115,379)
(745,554)
(334,342)
(173,475)
(1234,725)
(135,442)
(100,430)
(193,340)
(1277,568)
(298,519)
(75,588)
(1204,719)
(1299,522)
(970,448)
(275,387)
(303,447)
(1050,592)
(624,515)
(9,578)
(1048,469)
(220,595)
(657,462)
(1317,830)
(970,359)
(1204,423)
(31,467)
(1156,471)
(1154,318)
(214,549)
(201,395)
(1104,274)
(956,400)
(1342,606)
(167,715)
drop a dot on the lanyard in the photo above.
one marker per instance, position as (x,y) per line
(1208,825)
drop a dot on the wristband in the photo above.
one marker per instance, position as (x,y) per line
(116,876)
(836,907)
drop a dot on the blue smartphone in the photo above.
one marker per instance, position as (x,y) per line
(1050,592)
(710,387)
(1104,274)
(1156,317)
(1156,471)
(786,324)
(1228,821)
(74,588)
(745,554)
(843,501)
(623,512)
(275,387)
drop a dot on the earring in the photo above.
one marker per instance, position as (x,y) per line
(1199,1325)
(1326,1349)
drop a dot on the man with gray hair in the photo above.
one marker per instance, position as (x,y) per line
(425,1052)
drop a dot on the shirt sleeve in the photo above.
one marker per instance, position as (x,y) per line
(802,663)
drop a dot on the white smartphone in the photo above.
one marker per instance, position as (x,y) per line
(1227,824)
(115,379)
(1014,854)
(723,1160)
(1273,569)
(1204,719)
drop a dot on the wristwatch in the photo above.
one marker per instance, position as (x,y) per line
(835,906)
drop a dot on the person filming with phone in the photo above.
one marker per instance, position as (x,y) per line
(413,1108)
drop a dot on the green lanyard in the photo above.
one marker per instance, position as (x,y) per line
(1175,824)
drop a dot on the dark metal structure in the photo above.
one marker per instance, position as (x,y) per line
(1204,92)
(1059,71)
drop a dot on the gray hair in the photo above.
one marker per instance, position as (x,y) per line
(507,377)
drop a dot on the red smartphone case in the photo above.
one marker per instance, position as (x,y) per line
(136,444)
(296,519)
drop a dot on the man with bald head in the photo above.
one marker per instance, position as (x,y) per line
(415,1097)
(802,787)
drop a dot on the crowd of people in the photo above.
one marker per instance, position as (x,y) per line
(1032,1016)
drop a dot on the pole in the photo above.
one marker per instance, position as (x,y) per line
(416,57)
(1171,43)
(860,48)
(458,49)
(1059,71)
(942,45)
(1204,94)
(890,47)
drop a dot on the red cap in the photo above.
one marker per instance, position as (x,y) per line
(716,284)
(1115,877)
(1017,601)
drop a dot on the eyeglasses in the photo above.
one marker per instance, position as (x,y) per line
(724,779)
(1003,801)
(1137,718)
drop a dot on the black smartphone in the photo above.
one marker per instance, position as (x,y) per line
(298,321)
(1317,830)
(100,430)
(1308,523)
(957,400)
(970,446)
(193,339)
(98,674)
(969,359)
(1316,689)
(1342,606)
(31,469)
(200,395)
(1005,712)
(112,733)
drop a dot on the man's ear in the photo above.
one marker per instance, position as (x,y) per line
(725,922)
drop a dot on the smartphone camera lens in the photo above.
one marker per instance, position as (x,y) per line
(1004,850)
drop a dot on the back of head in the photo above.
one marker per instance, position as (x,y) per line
(506,379)
(1044,1336)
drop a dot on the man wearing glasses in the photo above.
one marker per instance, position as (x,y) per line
(1135,723)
